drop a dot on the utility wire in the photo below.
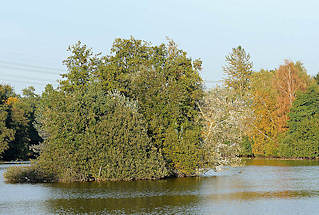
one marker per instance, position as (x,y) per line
(43,69)
(14,77)
(17,77)
(30,66)
(25,81)
(29,70)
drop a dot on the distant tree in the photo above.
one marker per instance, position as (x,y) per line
(238,71)
(17,118)
(7,134)
(7,97)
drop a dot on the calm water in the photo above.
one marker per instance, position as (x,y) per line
(260,187)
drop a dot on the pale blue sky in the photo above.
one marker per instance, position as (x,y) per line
(38,32)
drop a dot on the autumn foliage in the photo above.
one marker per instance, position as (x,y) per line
(289,79)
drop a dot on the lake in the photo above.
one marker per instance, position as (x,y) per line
(259,187)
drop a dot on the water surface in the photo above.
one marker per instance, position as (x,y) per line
(260,187)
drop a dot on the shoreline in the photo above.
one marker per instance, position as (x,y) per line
(15,162)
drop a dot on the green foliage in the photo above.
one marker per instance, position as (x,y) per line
(302,138)
(316,78)
(6,134)
(246,147)
(16,124)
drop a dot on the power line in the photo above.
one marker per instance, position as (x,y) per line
(30,66)
(210,81)
(17,77)
(25,81)
(29,70)
(42,69)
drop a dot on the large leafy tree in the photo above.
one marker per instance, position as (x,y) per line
(149,129)
(166,83)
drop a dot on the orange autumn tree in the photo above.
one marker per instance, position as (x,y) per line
(289,78)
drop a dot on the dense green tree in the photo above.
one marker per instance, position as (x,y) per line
(302,138)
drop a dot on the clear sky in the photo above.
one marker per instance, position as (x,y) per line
(34,34)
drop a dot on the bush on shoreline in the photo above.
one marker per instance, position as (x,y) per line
(27,174)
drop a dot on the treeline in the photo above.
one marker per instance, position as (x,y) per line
(141,112)
(282,106)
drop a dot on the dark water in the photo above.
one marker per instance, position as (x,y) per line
(260,187)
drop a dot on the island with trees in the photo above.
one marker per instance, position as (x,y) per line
(142,112)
